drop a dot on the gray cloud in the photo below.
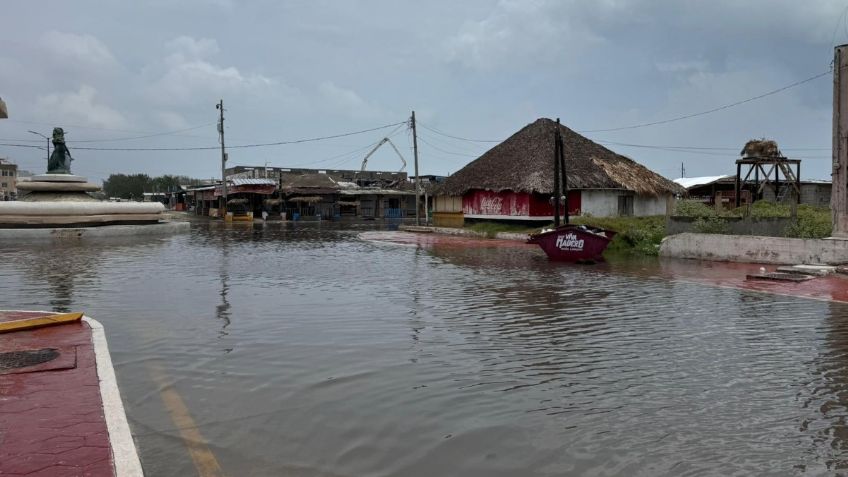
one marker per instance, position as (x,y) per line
(479,69)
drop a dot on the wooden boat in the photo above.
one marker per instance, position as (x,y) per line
(569,243)
(573,243)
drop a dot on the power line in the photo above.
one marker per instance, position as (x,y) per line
(709,111)
(444,151)
(456,137)
(241,146)
(705,148)
(165,133)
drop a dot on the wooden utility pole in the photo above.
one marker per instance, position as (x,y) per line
(220,108)
(839,190)
(557,193)
(564,174)
(417,180)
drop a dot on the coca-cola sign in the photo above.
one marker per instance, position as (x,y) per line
(488,203)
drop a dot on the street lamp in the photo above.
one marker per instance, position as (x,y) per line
(48,142)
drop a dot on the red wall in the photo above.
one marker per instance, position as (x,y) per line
(484,202)
(543,207)
(514,204)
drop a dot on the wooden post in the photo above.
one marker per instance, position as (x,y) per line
(839,192)
(736,188)
(556,176)
(564,174)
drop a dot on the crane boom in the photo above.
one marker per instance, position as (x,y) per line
(370,153)
(365,160)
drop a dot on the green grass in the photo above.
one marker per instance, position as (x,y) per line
(636,235)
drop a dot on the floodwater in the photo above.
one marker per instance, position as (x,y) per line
(314,350)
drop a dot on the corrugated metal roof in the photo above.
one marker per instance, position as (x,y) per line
(688,182)
(238,181)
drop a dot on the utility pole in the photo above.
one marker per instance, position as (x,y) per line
(561,148)
(682,170)
(417,180)
(839,190)
(220,108)
(557,192)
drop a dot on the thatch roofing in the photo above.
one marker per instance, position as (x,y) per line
(309,184)
(525,163)
(761,148)
(322,181)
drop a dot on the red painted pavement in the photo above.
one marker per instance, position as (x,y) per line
(51,419)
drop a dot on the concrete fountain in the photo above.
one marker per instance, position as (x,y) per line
(59,204)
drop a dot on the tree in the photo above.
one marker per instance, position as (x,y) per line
(134,185)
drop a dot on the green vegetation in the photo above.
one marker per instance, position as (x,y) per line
(810,221)
(133,185)
(635,235)
(639,236)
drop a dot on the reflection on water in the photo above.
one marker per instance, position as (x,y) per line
(306,349)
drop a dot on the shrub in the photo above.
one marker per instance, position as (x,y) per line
(812,222)
(711,225)
(693,208)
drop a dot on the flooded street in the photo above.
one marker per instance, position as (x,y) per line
(313,350)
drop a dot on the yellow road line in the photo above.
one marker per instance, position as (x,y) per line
(29,323)
(203,458)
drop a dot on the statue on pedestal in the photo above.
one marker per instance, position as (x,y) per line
(60,161)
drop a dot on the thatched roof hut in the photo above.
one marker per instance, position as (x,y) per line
(524,163)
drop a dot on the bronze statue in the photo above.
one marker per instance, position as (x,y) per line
(60,161)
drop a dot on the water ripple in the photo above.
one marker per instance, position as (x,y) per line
(309,349)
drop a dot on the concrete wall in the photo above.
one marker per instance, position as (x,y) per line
(604,203)
(752,249)
(814,193)
(767,227)
(645,206)
(600,203)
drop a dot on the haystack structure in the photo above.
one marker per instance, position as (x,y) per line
(515,180)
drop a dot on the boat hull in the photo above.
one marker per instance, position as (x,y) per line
(574,243)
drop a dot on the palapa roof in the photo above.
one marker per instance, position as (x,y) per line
(525,163)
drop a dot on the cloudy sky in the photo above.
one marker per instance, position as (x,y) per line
(111,71)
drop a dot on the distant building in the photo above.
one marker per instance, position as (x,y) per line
(326,193)
(362,178)
(721,189)
(8,180)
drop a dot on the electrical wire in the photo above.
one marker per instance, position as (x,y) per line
(713,110)
(421,138)
(165,133)
(208,148)
(455,137)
